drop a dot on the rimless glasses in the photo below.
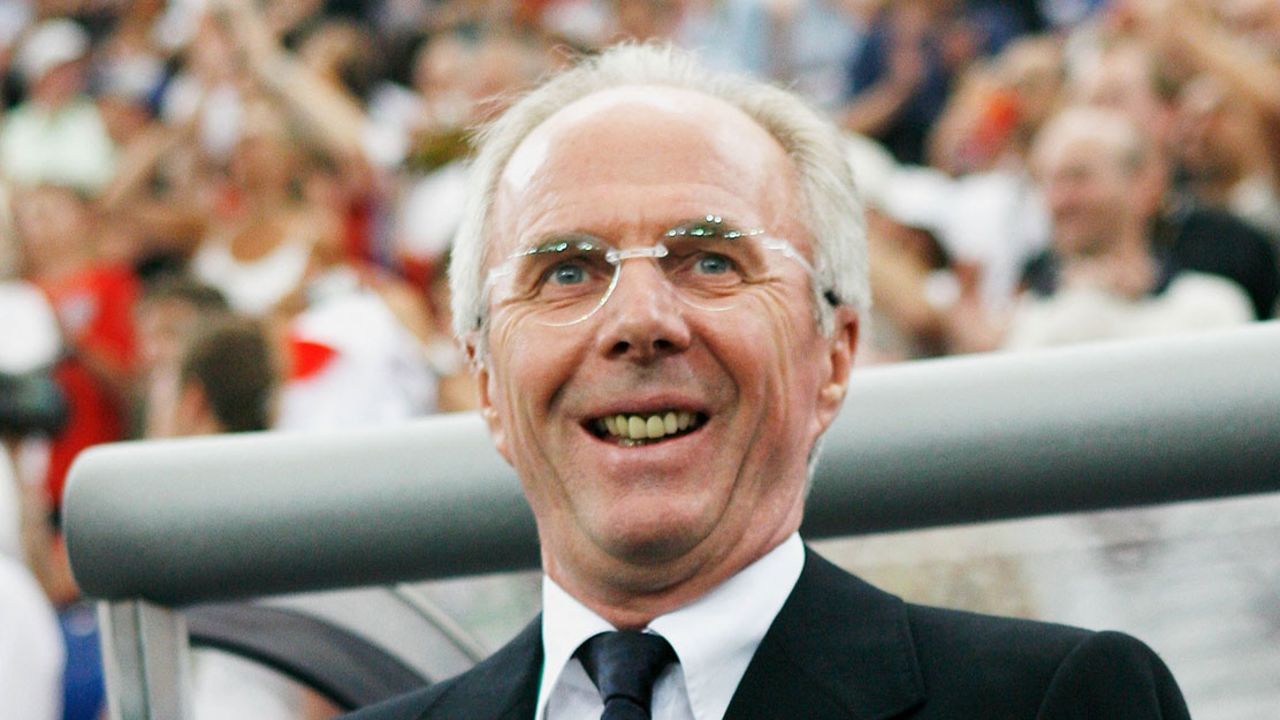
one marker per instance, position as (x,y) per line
(567,278)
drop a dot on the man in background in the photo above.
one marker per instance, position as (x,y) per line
(1105,277)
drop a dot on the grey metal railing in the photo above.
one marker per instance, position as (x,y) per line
(920,444)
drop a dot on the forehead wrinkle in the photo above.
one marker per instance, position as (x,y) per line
(637,103)
(620,128)
(532,152)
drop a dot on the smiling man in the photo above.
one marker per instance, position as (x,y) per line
(660,282)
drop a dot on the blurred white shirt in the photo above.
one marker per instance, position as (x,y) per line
(69,146)
(1193,301)
(31,651)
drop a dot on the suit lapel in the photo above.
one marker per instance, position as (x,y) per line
(503,687)
(838,648)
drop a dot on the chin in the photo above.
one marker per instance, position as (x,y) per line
(653,536)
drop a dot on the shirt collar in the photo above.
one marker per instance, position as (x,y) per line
(714,637)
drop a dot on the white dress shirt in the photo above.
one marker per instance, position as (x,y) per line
(714,638)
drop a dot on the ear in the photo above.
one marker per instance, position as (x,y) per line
(486,389)
(840,352)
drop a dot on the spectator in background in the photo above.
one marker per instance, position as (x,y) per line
(156,206)
(257,252)
(1223,154)
(56,135)
(901,77)
(644,19)
(1126,76)
(977,209)
(93,300)
(226,381)
(31,654)
(206,88)
(999,105)
(452,99)
(994,220)
(169,315)
(1237,42)
(356,349)
(1104,278)
(355,336)
(129,70)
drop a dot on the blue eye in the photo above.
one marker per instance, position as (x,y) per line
(567,274)
(713,265)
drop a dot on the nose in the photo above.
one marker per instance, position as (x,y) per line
(1059,196)
(643,320)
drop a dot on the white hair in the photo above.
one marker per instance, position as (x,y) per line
(1115,131)
(812,142)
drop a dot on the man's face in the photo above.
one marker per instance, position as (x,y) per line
(165,327)
(1089,192)
(53,224)
(759,379)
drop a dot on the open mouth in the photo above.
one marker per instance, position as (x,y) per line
(631,430)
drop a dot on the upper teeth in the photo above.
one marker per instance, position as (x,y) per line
(648,427)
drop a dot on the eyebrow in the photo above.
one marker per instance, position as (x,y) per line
(723,228)
(549,241)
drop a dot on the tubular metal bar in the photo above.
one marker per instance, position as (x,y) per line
(436,616)
(144,658)
(919,444)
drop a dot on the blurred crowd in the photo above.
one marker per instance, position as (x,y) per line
(235,215)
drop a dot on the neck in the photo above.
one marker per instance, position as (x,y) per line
(60,265)
(1127,268)
(630,595)
(265,203)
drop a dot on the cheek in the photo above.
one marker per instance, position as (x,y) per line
(533,365)
(782,337)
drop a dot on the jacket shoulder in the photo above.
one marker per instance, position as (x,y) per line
(1007,667)
(409,706)
(504,685)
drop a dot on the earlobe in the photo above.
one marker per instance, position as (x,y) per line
(486,391)
(489,412)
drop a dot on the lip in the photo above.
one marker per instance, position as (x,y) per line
(645,405)
(669,457)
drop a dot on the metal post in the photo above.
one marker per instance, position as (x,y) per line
(145,660)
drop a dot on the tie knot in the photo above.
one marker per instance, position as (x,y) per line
(624,665)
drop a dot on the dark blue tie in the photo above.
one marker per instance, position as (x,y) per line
(623,665)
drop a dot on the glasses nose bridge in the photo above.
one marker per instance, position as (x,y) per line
(654,254)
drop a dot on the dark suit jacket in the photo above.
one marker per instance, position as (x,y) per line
(841,649)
